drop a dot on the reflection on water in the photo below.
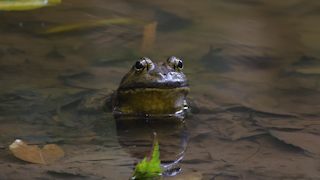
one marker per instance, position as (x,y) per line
(252,66)
(136,138)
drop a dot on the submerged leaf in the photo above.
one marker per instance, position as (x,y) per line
(149,169)
(32,153)
(307,141)
(149,36)
(79,26)
(14,5)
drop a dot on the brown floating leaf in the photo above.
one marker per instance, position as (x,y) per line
(149,36)
(32,153)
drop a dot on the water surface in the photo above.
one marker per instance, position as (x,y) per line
(253,68)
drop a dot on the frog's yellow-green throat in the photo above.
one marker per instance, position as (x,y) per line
(151,101)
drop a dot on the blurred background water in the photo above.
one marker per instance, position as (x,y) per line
(253,68)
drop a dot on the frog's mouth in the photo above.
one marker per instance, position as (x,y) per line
(167,85)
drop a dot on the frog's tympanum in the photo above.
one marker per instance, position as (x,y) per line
(152,88)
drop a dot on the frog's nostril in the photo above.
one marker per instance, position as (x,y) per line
(159,75)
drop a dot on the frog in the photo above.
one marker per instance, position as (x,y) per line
(148,89)
(151,97)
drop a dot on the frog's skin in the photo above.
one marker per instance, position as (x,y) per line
(152,88)
(147,89)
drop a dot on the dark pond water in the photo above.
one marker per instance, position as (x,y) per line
(253,68)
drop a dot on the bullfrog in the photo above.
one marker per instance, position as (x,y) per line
(149,89)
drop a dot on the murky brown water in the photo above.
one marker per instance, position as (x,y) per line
(253,68)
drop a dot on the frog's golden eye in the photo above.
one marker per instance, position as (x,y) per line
(139,65)
(144,64)
(180,65)
(174,63)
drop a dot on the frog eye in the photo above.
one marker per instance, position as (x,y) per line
(139,65)
(180,65)
(144,63)
(174,63)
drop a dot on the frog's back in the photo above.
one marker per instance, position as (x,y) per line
(100,101)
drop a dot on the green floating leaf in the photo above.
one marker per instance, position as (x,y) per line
(150,169)
(22,5)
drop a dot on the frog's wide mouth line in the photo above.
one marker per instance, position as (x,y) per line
(154,88)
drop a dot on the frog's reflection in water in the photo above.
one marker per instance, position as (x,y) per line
(136,137)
